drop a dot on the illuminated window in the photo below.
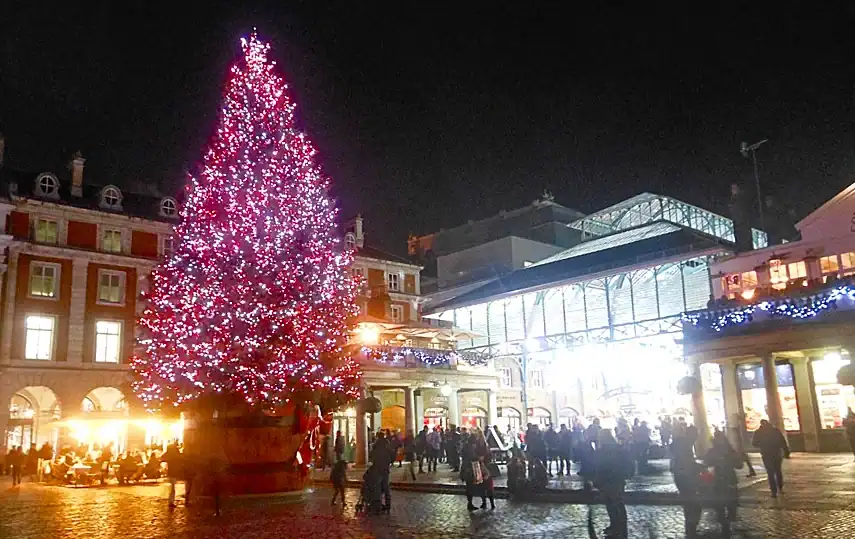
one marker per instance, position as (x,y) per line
(39,337)
(44,280)
(749,279)
(108,341)
(46,231)
(829,264)
(397,313)
(111,286)
(506,378)
(777,274)
(833,399)
(168,246)
(535,379)
(847,262)
(111,242)
(797,270)
(394,282)
(732,282)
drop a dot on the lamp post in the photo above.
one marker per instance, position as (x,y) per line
(745,149)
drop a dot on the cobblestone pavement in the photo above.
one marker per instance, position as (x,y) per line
(36,512)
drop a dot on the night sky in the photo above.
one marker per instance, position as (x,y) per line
(427,115)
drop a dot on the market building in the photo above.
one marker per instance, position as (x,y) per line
(772,345)
(412,367)
(77,258)
(595,330)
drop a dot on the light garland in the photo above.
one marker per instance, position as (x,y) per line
(427,357)
(798,309)
(256,301)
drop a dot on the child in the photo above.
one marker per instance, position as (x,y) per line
(337,478)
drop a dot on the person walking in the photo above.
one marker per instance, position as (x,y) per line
(338,478)
(381,459)
(773,448)
(410,455)
(686,472)
(613,467)
(725,461)
(15,461)
(421,447)
(434,445)
(453,450)
(339,446)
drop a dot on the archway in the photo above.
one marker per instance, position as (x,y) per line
(568,416)
(509,419)
(393,418)
(103,421)
(33,412)
(473,417)
(107,400)
(539,416)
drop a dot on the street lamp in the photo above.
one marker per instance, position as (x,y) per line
(745,149)
(445,389)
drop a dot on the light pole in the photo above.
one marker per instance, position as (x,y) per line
(744,150)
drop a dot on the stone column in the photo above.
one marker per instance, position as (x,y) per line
(9,309)
(806,401)
(376,419)
(409,411)
(733,413)
(420,410)
(361,439)
(453,408)
(813,269)
(4,425)
(77,311)
(699,412)
(492,407)
(773,401)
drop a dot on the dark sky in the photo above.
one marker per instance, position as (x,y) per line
(427,115)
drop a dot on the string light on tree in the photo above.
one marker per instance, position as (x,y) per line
(255,303)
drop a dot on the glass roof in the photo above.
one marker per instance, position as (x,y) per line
(611,241)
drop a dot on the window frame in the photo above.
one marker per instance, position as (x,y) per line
(42,190)
(397,281)
(119,336)
(107,230)
(169,207)
(113,192)
(833,259)
(396,308)
(27,329)
(164,238)
(37,222)
(538,378)
(56,279)
(123,276)
(503,378)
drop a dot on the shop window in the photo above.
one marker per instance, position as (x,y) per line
(108,341)
(39,338)
(847,263)
(44,280)
(506,379)
(46,231)
(797,270)
(833,400)
(752,385)
(829,264)
(749,279)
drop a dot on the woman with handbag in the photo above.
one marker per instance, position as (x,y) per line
(482,451)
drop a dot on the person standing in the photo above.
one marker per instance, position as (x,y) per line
(686,472)
(421,448)
(550,443)
(613,466)
(849,427)
(434,442)
(565,448)
(453,451)
(337,478)
(174,469)
(410,454)
(381,460)
(725,461)
(339,446)
(773,448)
(15,461)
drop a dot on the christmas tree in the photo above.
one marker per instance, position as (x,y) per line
(255,305)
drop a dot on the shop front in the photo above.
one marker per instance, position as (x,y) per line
(473,418)
(508,419)
(540,417)
(436,416)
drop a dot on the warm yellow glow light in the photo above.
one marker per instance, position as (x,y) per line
(748,294)
(369,334)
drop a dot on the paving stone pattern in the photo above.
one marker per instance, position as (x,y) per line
(36,512)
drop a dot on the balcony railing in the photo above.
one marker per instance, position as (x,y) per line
(404,356)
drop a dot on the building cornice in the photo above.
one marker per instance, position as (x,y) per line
(60,251)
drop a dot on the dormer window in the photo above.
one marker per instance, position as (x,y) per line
(350,240)
(47,185)
(168,207)
(111,198)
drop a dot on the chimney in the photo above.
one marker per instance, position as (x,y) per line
(77,162)
(2,148)
(360,238)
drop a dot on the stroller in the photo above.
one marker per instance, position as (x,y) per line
(370,496)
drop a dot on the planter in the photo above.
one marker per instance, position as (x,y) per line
(251,454)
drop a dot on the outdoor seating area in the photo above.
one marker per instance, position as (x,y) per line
(98,467)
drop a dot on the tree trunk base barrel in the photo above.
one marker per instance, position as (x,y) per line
(247,455)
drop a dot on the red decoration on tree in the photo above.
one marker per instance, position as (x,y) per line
(256,303)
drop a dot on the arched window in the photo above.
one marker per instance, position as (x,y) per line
(47,185)
(350,240)
(168,207)
(111,198)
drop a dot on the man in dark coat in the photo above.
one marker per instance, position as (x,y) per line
(773,448)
